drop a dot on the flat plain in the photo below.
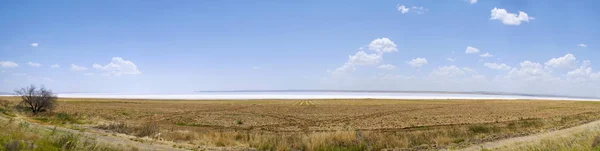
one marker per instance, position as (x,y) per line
(363,124)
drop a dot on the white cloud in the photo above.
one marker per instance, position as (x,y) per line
(582,45)
(509,18)
(55,66)
(118,67)
(451,59)
(387,66)
(89,74)
(361,58)
(417,62)
(8,64)
(33,64)
(256,68)
(383,45)
(530,71)
(486,55)
(403,9)
(39,79)
(448,71)
(417,9)
(583,73)
(469,70)
(497,66)
(472,1)
(19,74)
(77,68)
(471,50)
(34,44)
(566,62)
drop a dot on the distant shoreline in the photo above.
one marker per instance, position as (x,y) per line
(310,94)
(416,92)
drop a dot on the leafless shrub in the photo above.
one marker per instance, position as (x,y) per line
(37,100)
(149,129)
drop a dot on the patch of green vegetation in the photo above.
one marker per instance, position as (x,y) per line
(477,129)
(58,118)
(239,122)
(349,147)
(458,140)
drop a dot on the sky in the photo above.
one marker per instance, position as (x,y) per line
(521,46)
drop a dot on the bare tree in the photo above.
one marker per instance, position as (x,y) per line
(37,100)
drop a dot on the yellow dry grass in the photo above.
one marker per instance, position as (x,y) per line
(365,124)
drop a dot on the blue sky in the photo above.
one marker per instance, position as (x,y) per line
(183,46)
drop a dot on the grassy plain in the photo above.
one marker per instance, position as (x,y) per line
(364,124)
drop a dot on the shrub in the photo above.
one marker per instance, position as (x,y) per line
(37,100)
(119,127)
(149,129)
(13,145)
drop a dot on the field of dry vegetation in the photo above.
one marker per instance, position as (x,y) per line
(324,124)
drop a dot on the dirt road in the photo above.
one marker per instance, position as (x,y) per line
(531,139)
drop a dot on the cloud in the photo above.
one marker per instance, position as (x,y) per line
(582,45)
(583,73)
(496,66)
(118,67)
(256,68)
(403,9)
(471,50)
(8,64)
(509,18)
(472,1)
(361,58)
(417,62)
(448,71)
(34,44)
(55,66)
(383,45)
(33,64)
(451,59)
(469,70)
(77,68)
(486,55)
(387,66)
(39,79)
(530,71)
(19,74)
(566,62)
(417,9)
(89,74)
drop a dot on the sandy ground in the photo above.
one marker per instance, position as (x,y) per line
(531,139)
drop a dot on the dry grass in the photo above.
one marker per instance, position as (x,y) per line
(333,124)
(16,136)
(584,141)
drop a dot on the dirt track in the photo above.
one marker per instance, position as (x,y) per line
(531,139)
